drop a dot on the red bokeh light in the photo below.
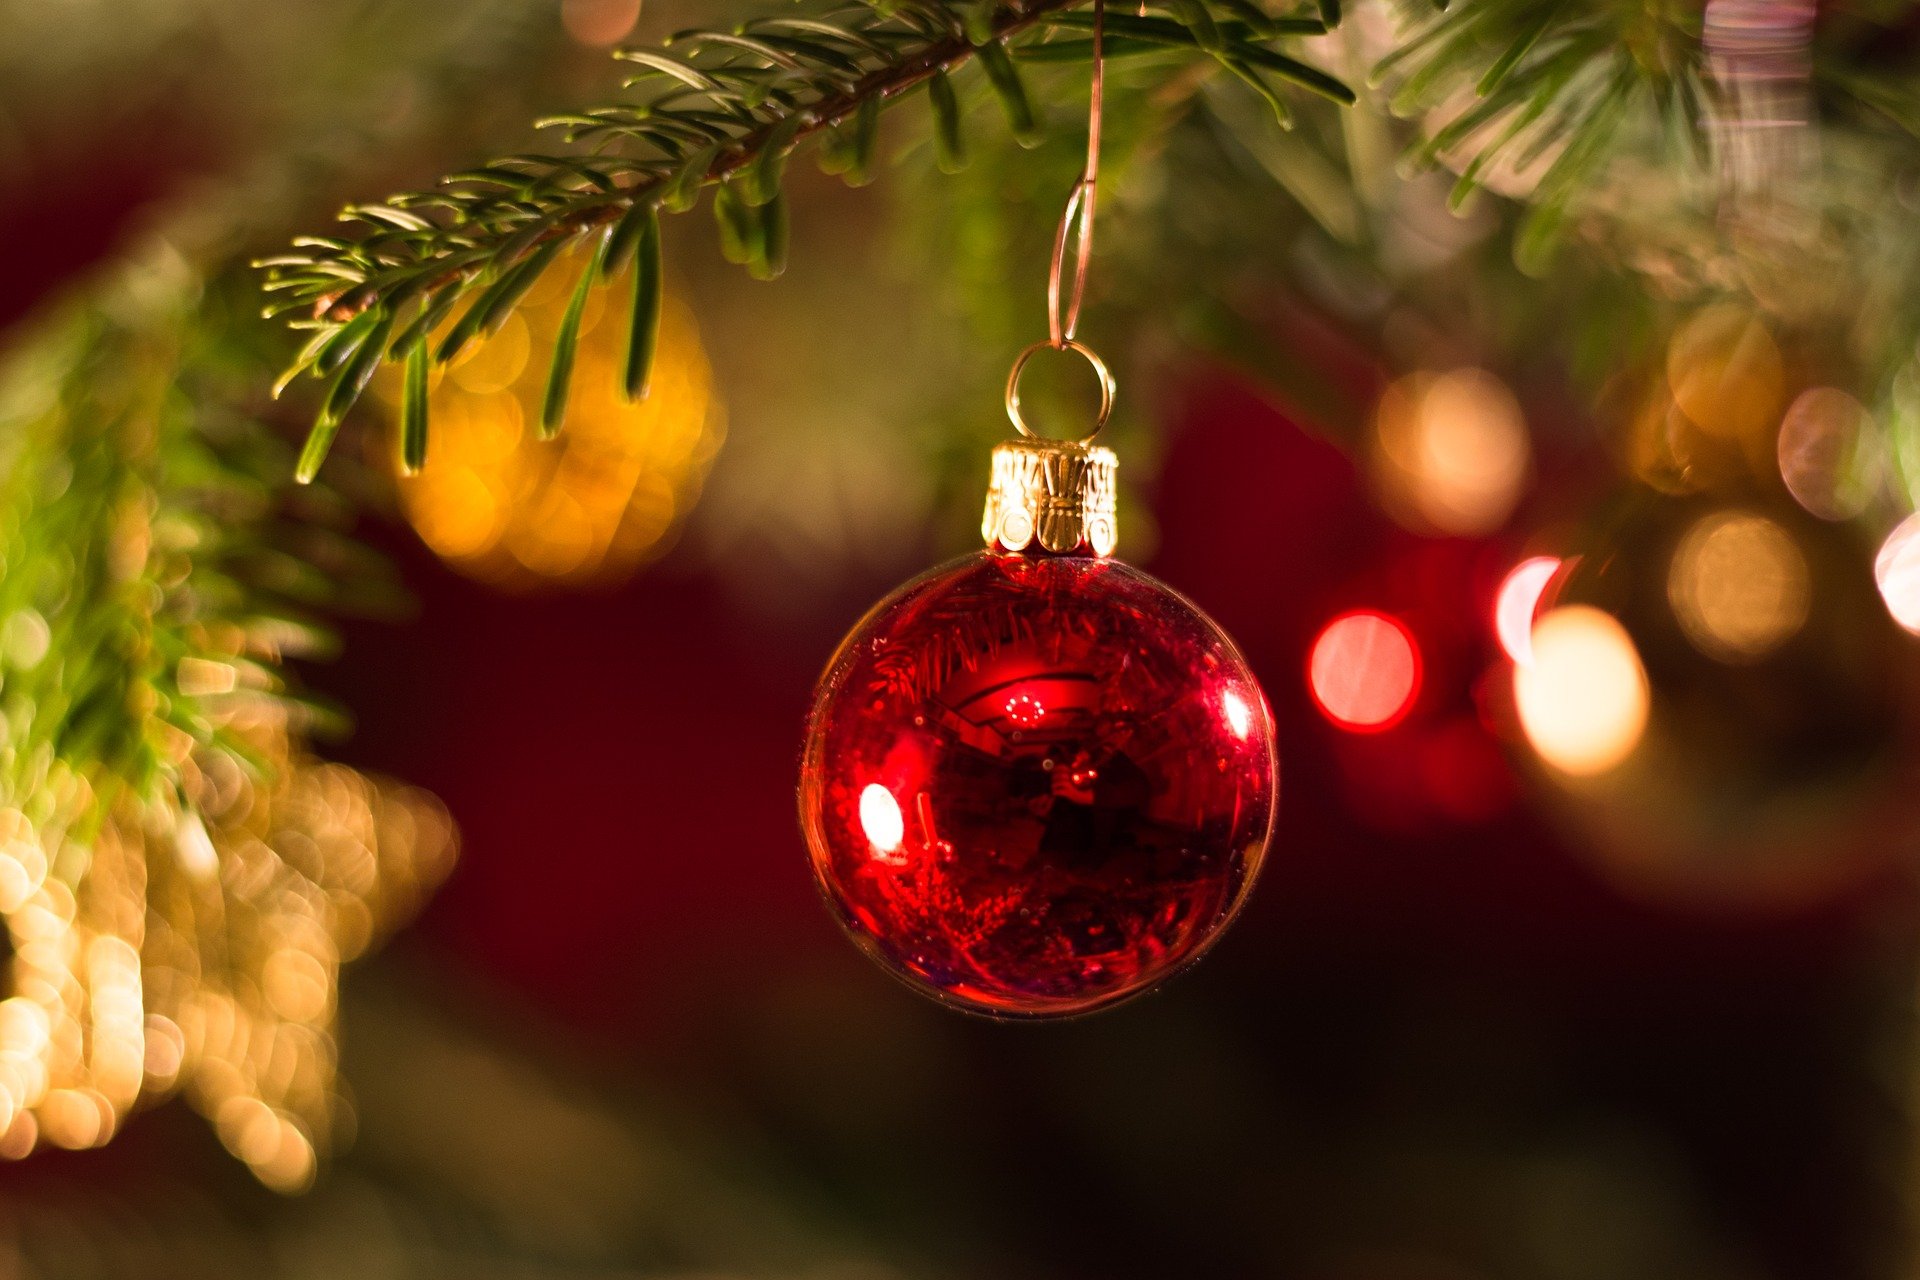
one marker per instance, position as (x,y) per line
(1364,672)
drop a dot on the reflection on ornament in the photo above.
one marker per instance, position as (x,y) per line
(1364,671)
(1583,699)
(1738,586)
(880,820)
(600,499)
(194,945)
(1239,714)
(1452,451)
(1036,785)
(1726,373)
(1517,603)
(1830,454)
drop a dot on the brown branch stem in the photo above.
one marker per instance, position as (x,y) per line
(883,83)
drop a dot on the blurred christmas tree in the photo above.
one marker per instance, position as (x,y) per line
(1624,293)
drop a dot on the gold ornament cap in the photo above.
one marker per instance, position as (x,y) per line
(1054,494)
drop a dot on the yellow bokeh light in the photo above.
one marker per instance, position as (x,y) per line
(602,498)
(1739,586)
(599,23)
(1726,372)
(198,948)
(1453,451)
(497,363)
(1660,445)
(73,1119)
(1583,700)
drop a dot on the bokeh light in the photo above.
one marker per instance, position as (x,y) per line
(602,498)
(599,23)
(1583,700)
(1739,586)
(1518,601)
(1364,672)
(1897,571)
(1830,454)
(1726,372)
(201,950)
(1453,451)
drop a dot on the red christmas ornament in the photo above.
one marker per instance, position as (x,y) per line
(1036,780)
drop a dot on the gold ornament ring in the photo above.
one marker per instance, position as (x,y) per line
(1100,371)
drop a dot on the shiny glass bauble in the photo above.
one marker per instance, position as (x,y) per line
(1037,785)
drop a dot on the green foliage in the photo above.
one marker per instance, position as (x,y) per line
(711,108)
(643,324)
(148,545)
(1545,75)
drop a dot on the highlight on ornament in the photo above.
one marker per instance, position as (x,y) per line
(880,819)
(1583,700)
(600,499)
(1364,671)
(1234,705)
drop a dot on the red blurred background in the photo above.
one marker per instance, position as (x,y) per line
(1436,1045)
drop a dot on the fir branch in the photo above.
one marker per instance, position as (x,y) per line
(719,109)
(1544,76)
(139,504)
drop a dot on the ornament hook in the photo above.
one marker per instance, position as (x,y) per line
(1077,221)
(1100,371)
(1076,227)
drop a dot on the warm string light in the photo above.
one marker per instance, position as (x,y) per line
(1365,671)
(1583,700)
(599,24)
(1739,582)
(1710,416)
(608,492)
(1739,585)
(1726,413)
(194,946)
(1451,453)
(1726,373)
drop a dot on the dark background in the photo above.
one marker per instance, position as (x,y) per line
(1436,1046)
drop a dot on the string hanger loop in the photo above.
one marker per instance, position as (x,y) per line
(1076,227)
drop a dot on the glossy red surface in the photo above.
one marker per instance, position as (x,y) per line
(1037,785)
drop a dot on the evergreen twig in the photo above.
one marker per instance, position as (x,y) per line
(1543,75)
(721,109)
